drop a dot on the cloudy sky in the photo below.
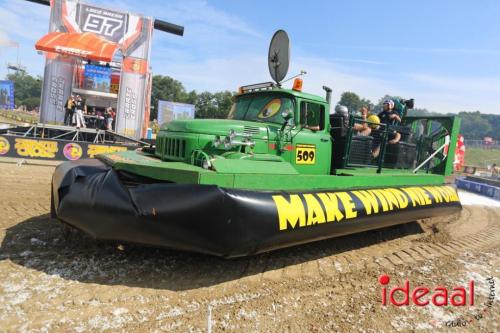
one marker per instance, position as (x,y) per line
(445,54)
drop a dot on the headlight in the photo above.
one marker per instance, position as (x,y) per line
(206,164)
(228,142)
(217,142)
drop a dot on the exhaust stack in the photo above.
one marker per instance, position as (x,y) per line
(328,96)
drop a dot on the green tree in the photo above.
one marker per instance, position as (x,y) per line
(167,89)
(353,102)
(27,89)
(474,126)
(215,105)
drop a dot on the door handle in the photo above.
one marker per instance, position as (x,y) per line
(325,139)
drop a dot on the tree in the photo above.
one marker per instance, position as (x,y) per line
(208,105)
(27,89)
(474,126)
(167,89)
(353,102)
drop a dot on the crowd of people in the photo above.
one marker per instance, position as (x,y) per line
(370,124)
(78,114)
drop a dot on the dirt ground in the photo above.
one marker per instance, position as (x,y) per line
(54,282)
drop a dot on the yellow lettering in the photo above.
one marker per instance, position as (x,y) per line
(454,194)
(368,200)
(349,208)
(330,201)
(94,150)
(424,197)
(400,197)
(36,148)
(382,200)
(435,193)
(444,193)
(290,212)
(315,212)
(413,197)
(391,199)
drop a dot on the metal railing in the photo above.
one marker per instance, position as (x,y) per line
(481,144)
(361,150)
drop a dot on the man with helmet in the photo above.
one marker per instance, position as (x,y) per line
(362,128)
(389,117)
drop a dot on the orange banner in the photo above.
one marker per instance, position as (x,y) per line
(84,45)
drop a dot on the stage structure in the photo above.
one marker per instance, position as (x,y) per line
(101,54)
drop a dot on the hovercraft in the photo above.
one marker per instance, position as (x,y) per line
(281,171)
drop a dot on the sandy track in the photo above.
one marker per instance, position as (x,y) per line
(54,281)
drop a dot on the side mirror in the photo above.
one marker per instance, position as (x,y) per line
(288,117)
(287,114)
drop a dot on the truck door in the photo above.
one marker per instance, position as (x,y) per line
(311,142)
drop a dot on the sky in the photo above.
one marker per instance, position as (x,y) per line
(445,54)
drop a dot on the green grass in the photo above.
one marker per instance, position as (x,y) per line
(478,156)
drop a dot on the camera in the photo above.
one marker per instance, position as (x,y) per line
(409,103)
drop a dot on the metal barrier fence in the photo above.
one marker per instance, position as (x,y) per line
(420,146)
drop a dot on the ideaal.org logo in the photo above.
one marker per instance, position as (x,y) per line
(457,296)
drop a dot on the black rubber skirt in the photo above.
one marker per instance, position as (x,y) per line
(111,205)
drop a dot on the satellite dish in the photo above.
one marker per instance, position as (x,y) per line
(279,55)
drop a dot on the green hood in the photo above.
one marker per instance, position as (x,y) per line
(219,127)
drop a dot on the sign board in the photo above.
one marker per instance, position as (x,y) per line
(168,111)
(97,78)
(6,94)
(57,150)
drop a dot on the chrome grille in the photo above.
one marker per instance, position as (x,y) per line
(252,130)
(175,148)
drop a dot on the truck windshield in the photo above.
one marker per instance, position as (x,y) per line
(261,107)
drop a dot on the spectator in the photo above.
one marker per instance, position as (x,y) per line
(389,117)
(363,128)
(80,107)
(109,118)
(69,110)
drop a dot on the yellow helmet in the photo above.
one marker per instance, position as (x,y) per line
(374,120)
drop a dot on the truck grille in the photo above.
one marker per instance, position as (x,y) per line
(252,130)
(175,148)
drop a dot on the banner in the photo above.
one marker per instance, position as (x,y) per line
(76,31)
(58,150)
(97,78)
(168,111)
(6,95)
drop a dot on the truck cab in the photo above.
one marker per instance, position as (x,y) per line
(266,123)
(298,124)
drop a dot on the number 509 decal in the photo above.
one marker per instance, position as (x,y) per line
(305,154)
